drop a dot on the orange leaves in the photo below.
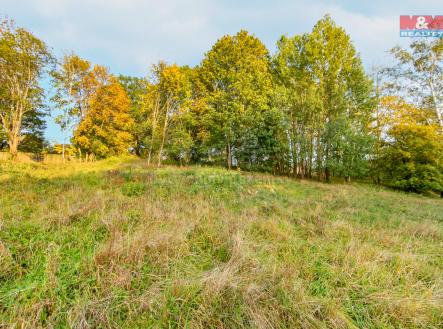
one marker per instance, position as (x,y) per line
(105,131)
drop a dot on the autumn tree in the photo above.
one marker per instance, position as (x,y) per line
(69,150)
(172,90)
(33,124)
(23,59)
(181,142)
(106,129)
(75,83)
(152,107)
(412,150)
(71,93)
(409,119)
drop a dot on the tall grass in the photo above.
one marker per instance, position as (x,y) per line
(115,244)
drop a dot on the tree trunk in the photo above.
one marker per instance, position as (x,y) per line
(294,154)
(149,155)
(165,127)
(311,155)
(319,155)
(155,114)
(436,104)
(327,175)
(13,146)
(63,152)
(228,154)
(327,170)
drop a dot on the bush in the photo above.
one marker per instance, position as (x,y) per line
(419,178)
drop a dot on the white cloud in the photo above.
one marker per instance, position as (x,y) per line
(129,35)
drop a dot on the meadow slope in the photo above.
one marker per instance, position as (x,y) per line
(115,244)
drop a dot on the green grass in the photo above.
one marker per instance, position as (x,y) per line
(115,244)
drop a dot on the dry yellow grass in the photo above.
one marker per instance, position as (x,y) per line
(116,244)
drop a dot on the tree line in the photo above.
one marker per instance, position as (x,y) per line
(309,110)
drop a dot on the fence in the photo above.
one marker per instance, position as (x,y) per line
(36,157)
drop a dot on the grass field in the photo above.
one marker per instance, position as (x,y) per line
(115,244)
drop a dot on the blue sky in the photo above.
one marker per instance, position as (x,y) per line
(130,35)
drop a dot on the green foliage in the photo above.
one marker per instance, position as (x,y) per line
(237,76)
(33,126)
(412,156)
(23,61)
(179,145)
(71,80)
(136,89)
(408,124)
(326,97)
(309,111)
(161,112)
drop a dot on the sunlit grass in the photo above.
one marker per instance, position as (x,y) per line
(117,244)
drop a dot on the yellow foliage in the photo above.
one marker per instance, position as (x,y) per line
(105,131)
(412,146)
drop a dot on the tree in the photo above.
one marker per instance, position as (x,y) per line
(69,150)
(174,91)
(344,92)
(236,73)
(327,99)
(23,59)
(190,136)
(3,139)
(297,97)
(418,75)
(164,104)
(75,83)
(32,132)
(152,106)
(70,96)
(106,128)
(412,150)
(136,89)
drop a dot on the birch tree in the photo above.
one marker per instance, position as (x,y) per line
(173,93)
(70,96)
(418,75)
(23,59)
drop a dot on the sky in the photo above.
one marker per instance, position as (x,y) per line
(128,36)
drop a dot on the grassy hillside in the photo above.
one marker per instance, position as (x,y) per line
(115,244)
